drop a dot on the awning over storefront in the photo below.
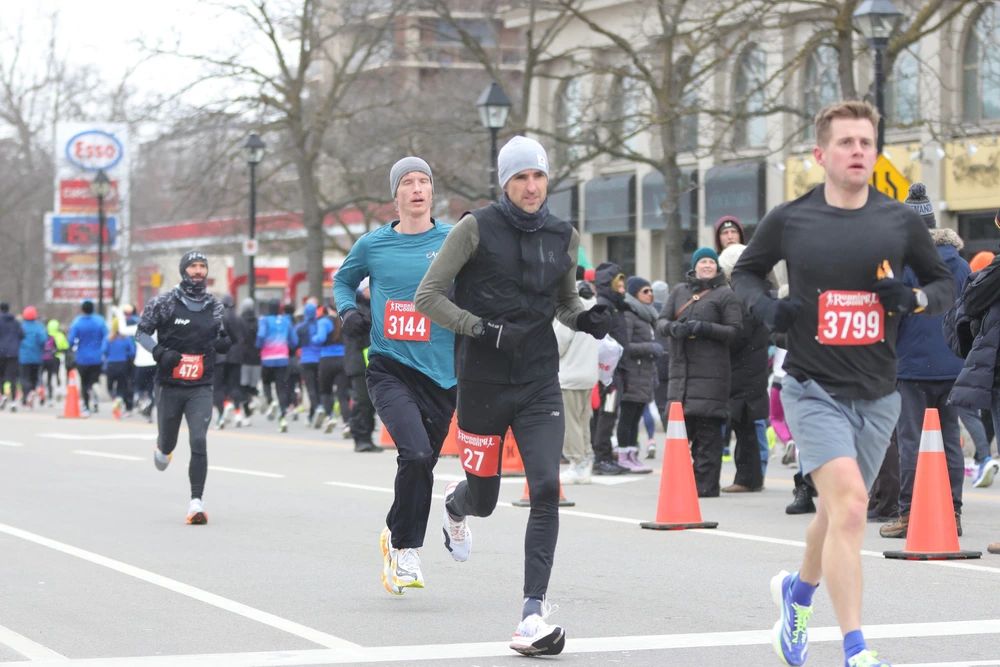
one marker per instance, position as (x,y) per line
(654,192)
(610,204)
(564,202)
(739,190)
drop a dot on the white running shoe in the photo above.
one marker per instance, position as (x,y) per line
(318,418)
(406,569)
(227,414)
(161,460)
(196,513)
(536,637)
(329,425)
(388,553)
(283,425)
(457,534)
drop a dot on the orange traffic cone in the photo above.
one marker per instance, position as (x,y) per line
(384,439)
(677,508)
(71,410)
(525,500)
(512,465)
(450,445)
(932,533)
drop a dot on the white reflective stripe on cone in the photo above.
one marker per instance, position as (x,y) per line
(676,431)
(931,441)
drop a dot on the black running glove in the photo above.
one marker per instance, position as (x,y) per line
(503,336)
(895,296)
(165,358)
(223,343)
(678,329)
(596,321)
(355,324)
(777,314)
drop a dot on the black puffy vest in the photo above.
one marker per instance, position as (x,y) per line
(514,277)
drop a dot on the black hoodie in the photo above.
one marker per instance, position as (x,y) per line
(604,275)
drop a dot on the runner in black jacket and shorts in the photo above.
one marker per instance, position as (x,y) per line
(188,324)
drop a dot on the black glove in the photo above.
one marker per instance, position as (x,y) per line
(697,328)
(657,350)
(596,321)
(503,336)
(678,329)
(895,296)
(165,358)
(223,343)
(355,324)
(777,314)
(585,291)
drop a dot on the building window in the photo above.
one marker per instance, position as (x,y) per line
(750,130)
(569,121)
(626,105)
(621,251)
(822,85)
(902,91)
(981,68)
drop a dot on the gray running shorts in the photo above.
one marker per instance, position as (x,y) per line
(826,428)
(249,376)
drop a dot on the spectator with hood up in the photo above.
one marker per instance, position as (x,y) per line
(610,284)
(639,358)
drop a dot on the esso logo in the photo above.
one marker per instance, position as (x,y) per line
(93,150)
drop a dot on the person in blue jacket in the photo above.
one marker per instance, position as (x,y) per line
(11,334)
(118,353)
(30,354)
(309,358)
(87,334)
(925,374)
(332,371)
(276,339)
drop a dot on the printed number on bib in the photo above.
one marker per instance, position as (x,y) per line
(850,318)
(403,322)
(480,454)
(192,367)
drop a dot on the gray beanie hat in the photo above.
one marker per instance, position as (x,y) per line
(660,291)
(519,154)
(404,167)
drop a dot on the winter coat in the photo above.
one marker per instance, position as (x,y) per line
(615,301)
(305,331)
(33,344)
(251,353)
(58,336)
(276,339)
(87,335)
(977,338)
(920,346)
(119,350)
(641,351)
(700,373)
(663,361)
(11,334)
(236,328)
(355,346)
(578,355)
(748,358)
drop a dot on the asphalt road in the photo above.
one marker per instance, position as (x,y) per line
(98,567)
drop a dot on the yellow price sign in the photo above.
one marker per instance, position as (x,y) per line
(887,179)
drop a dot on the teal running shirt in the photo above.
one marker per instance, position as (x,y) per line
(396,263)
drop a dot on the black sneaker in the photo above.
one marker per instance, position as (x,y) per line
(607,468)
(366,447)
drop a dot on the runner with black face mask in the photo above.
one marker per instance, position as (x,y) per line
(188,324)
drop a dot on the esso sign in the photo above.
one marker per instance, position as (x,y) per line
(93,150)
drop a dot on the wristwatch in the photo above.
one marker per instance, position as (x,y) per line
(921,299)
(478,329)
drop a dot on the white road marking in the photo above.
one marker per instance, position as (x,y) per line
(85,436)
(106,455)
(519,481)
(8,443)
(291,627)
(611,645)
(240,471)
(959,565)
(26,647)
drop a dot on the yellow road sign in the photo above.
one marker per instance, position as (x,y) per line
(888,180)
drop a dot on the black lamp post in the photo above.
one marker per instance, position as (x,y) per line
(101,188)
(878,21)
(253,150)
(494,107)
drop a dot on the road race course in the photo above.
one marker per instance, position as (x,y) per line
(98,567)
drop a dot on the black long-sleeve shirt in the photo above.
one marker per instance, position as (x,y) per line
(831,249)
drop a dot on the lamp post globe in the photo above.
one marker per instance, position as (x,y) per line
(878,21)
(494,108)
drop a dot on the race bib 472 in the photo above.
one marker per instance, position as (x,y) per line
(403,322)
(191,367)
(850,318)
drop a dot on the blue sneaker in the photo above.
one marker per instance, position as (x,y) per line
(987,471)
(790,636)
(866,659)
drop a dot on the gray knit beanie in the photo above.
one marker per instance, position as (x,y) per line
(660,291)
(519,154)
(404,167)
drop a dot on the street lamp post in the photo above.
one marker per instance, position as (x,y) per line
(878,21)
(494,107)
(100,187)
(253,150)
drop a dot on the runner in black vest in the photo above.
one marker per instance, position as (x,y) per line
(188,324)
(514,270)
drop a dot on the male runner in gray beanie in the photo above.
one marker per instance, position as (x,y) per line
(513,266)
